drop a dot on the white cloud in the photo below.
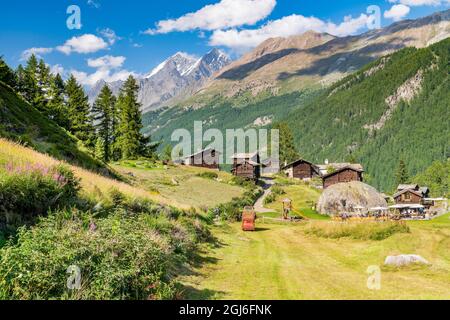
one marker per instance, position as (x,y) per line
(36,51)
(417,3)
(110,35)
(397,12)
(87,43)
(57,69)
(224,14)
(107,62)
(94,4)
(242,40)
(108,68)
(101,74)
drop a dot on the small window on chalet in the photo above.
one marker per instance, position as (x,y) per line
(407,196)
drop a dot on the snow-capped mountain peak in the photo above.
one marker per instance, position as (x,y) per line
(175,78)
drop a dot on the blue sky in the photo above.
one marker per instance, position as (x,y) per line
(134,36)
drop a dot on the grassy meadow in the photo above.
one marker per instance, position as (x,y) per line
(314,259)
(288,262)
(303,198)
(182,184)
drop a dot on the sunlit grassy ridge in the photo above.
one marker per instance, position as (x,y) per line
(93,185)
(183,184)
(21,122)
(180,187)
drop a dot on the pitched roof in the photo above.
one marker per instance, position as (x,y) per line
(424,190)
(244,155)
(417,193)
(253,163)
(357,168)
(408,187)
(339,166)
(201,152)
(298,161)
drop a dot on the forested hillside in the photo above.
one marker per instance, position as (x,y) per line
(396,108)
(224,114)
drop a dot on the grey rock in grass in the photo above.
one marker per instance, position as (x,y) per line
(405,260)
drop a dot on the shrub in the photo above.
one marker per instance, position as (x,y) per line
(276,191)
(122,256)
(362,230)
(32,190)
(232,211)
(242,182)
(270,199)
(208,175)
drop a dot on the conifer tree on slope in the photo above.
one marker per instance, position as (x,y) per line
(20,80)
(402,175)
(6,74)
(28,81)
(78,109)
(288,153)
(56,107)
(104,115)
(43,78)
(131,141)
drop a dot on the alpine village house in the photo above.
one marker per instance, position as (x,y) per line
(411,194)
(331,173)
(207,158)
(247,165)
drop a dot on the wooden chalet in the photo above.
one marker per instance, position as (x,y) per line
(343,174)
(207,158)
(411,194)
(301,169)
(247,165)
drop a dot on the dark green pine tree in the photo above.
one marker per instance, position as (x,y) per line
(6,74)
(43,78)
(56,107)
(131,141)
(78,111)
(20,80)
(29,82)
(104,115)
(402,175)
(288,153)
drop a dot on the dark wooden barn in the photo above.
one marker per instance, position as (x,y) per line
(247,165)
(207,158)
(301,169)
(343,175)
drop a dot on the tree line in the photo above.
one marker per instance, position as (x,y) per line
(111,128)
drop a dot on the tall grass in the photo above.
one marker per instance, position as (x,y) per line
(29,191)
(356,230)
(127,254)
(92,184)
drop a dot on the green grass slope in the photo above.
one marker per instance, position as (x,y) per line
(22,123)
(332,126)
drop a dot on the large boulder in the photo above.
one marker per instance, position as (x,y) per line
(345,197)
(404,260)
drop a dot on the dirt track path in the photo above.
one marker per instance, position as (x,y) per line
(259,205)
